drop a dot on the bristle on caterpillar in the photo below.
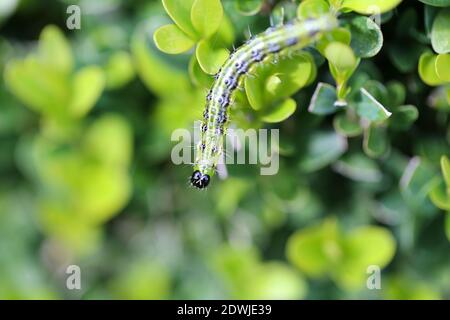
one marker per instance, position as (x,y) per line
(279,41)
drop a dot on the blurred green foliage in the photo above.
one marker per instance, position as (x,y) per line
(86,118)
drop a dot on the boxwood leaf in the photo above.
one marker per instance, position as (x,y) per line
(170,39)
(248,7)
(209,57)
(369,108)
(427,69)
(440,33)
(364,247)
(440,197)
(314,248)
(437,3)
(312,9)
(43,89)
(54,49)
(198,76)
(347,126)
(375,141)
(323,100)
(180,12)
(341,56)
(367,39)
(206,16)
(281,112)
(370,6)
(87,86)
(443,67)
(403,117)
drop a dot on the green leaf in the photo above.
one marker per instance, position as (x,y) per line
(342,35)
(403,117)
(198,76)
(170,39)
(367,39)
(54,49)
(347,126)
(375,142)
(119,70)
(341,56)
(210,58)
(440,33)
(96,207)
(180,12)
(416,183)
(323,149)
(312,9)
(313,249)
(437,3)
(206,16)
(364,247)
(43,89)
(369,108)
(109,140)
(440,197)
(248,7)
(405,55)
(323,100)
(87,86)
(370,6)
(427,69)
(275,82)
(443,67)
(275,280)
(157,74)
(445,166)
(281,112)
(430,14)
(255,92)
(396,93)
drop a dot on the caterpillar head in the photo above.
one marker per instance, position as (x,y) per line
(200,180)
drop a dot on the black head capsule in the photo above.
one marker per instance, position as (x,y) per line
(200,180)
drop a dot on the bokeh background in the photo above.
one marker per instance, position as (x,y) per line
(86,177)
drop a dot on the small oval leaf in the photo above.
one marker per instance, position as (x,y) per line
(170,39)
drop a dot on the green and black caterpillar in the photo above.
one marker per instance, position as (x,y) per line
(281,41)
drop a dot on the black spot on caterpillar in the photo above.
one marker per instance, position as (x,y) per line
(281,41)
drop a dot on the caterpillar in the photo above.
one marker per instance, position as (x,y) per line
(281,41)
